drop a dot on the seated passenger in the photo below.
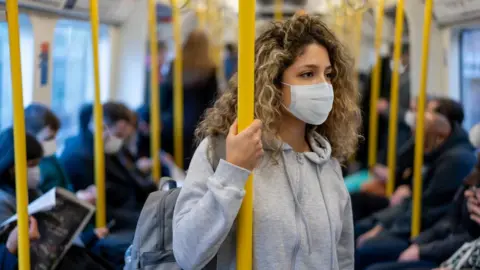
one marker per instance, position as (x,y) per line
(126,191)
(448,159)
(308,118)
(42,123)
(438,243)
(372,196)
(8,250)
(143,153)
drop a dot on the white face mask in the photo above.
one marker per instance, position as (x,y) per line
(311,103)
(113,144)
(410,119)
(49,148)
(401,68)
(474,136)
(33,177)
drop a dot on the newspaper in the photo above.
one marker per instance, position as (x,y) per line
(61,217)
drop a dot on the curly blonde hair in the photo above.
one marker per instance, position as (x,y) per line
(275,50)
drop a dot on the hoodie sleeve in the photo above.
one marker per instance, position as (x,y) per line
(206,209)
(345,246)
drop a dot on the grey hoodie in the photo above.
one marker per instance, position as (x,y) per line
(302,212)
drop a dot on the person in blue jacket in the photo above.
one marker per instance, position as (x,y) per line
(9,246)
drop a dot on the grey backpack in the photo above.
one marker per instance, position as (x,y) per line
(152,244)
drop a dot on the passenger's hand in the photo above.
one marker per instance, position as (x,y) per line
(368,235)
(33,234)
(411,254)
(380,172)
(144,164)
(101,232)
(473,204)
(245,149)
(89,194)
(400,194)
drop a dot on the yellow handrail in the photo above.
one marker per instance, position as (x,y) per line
(278,10)
(246,88)
(373,128)
(21,187)
(358,21)
(419,126)
(393,121)
(101,214)
(154,94)
(178,87)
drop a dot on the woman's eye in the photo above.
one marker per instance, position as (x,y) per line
(307,75)
(329,75)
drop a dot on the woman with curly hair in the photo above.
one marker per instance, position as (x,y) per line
(306,122)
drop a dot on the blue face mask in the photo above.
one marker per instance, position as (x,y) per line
(311,103)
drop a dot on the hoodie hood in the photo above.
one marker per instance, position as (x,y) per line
(321,148)
(7,153)
(458,137)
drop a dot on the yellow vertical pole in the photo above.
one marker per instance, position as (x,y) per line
(202,18)
(278,10)
(339,21)
(373,128)
(178,87)
(393,121)
(419,127)
(19,136)
(358,23)
(154,95)
(246,88)
(220,43)
(101,216)
(211,24)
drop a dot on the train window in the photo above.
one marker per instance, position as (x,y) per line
(27,51)
(470,75)
(73,84)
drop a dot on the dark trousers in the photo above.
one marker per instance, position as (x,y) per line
(382,248)
(365,204)
(418,265)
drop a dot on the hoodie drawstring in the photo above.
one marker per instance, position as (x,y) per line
(297,204)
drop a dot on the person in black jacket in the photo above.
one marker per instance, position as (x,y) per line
(437,244)
(9,246)
(365,203)
(383,106)
(126,190)
(448,159)
(200,88)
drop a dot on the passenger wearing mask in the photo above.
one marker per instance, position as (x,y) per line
(42,123)
(126,191)
(437,244)
(308,118)
(200,88)
(448,159)
(372,197)
(9,249)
